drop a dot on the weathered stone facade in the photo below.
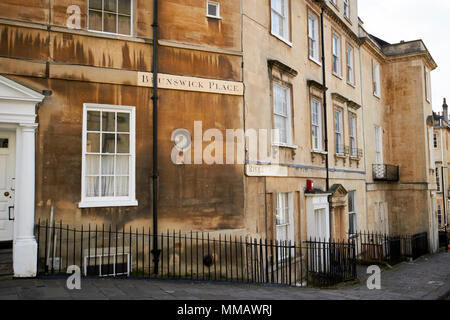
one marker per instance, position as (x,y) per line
(78,66)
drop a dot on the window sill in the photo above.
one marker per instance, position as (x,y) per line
(214,17)
(338,76)
(319,152)
(285,145)
(378,96)
(99,34)
(315,61)
(289,43)
(351,85)
(107,204)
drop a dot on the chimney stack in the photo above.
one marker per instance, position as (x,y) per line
(445,108)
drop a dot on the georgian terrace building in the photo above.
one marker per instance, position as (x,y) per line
(77,121)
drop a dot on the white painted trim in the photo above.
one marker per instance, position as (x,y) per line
(217,4)
(106,202)
(25,94)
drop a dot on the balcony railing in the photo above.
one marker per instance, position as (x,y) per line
(385,172)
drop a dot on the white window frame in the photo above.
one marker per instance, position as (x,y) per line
(287,116)
(435,141)
(313,37)
(286,226)
(316,126)
(285,16)
(117,19)
(339,131)
(352,215)
(350,58)
(378,146)
(214,3)
(353,134)
(376,79)
(102,202)
(347,9)
(336,55)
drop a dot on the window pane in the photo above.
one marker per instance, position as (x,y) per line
(107,186)
(108,143)
(122,165)
(110,5)
(123,143)
(93,120)
(108,165)
(278,5)
(108,121)
(280,124)
(122,186)
(92,165)
(123,122)
(124,25)
(277,24)
(95,4)
(95,20)
(93,142)
(125,7)
(92,187)
(110,22)
(4,143)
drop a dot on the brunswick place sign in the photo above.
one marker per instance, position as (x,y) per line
(168,81)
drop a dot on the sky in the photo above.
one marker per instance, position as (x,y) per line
(396,20)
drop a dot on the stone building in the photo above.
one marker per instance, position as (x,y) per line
(440,141)
(76,119)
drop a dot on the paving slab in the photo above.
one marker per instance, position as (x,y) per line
(428,278)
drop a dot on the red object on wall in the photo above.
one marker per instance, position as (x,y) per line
(309,185)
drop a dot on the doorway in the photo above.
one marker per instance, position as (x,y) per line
(7,185)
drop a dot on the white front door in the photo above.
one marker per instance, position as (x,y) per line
(320,223)
(7,184)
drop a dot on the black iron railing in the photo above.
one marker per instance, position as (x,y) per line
(379,247)
(385,172)
(330,263)
(110,252)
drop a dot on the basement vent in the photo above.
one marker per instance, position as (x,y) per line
(104,265)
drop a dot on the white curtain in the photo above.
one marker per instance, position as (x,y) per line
(123,170)
(115,171)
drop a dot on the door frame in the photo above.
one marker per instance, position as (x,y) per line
(18,113)
(12,134)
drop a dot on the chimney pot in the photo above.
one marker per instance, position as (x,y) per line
(445,108)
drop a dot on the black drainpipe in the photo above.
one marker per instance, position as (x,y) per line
(324,83)
(156,252)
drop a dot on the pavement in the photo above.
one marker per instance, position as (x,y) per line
(427,278)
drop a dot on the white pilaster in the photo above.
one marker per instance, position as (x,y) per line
(25,246)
